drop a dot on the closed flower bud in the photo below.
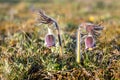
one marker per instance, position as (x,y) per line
(49,39)
(89,42)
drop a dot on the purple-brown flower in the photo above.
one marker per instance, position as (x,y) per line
(49,39)
(89,42)
(90,28)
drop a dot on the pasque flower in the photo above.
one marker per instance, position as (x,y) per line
(89,42)
(88,32)
(49,39)
(90,28)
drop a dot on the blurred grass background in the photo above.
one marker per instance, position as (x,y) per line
(24,56)
(68,13)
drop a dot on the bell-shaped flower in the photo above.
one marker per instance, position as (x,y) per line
(89,42)
(50,39)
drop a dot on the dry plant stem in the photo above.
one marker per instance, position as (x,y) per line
(78,50)
(59,39)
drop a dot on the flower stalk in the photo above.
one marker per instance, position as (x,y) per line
(78,50)
(59,38)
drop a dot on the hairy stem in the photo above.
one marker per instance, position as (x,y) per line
(78,50)
(59,39)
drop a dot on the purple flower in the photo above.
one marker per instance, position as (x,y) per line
(49,39)
(89,42)
(91,28)
(88,27)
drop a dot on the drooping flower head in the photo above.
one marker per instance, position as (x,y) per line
(89,42)
(90,28)
(49,39)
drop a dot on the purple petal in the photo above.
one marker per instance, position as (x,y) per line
(89,28)
(50,40)
(89,42)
